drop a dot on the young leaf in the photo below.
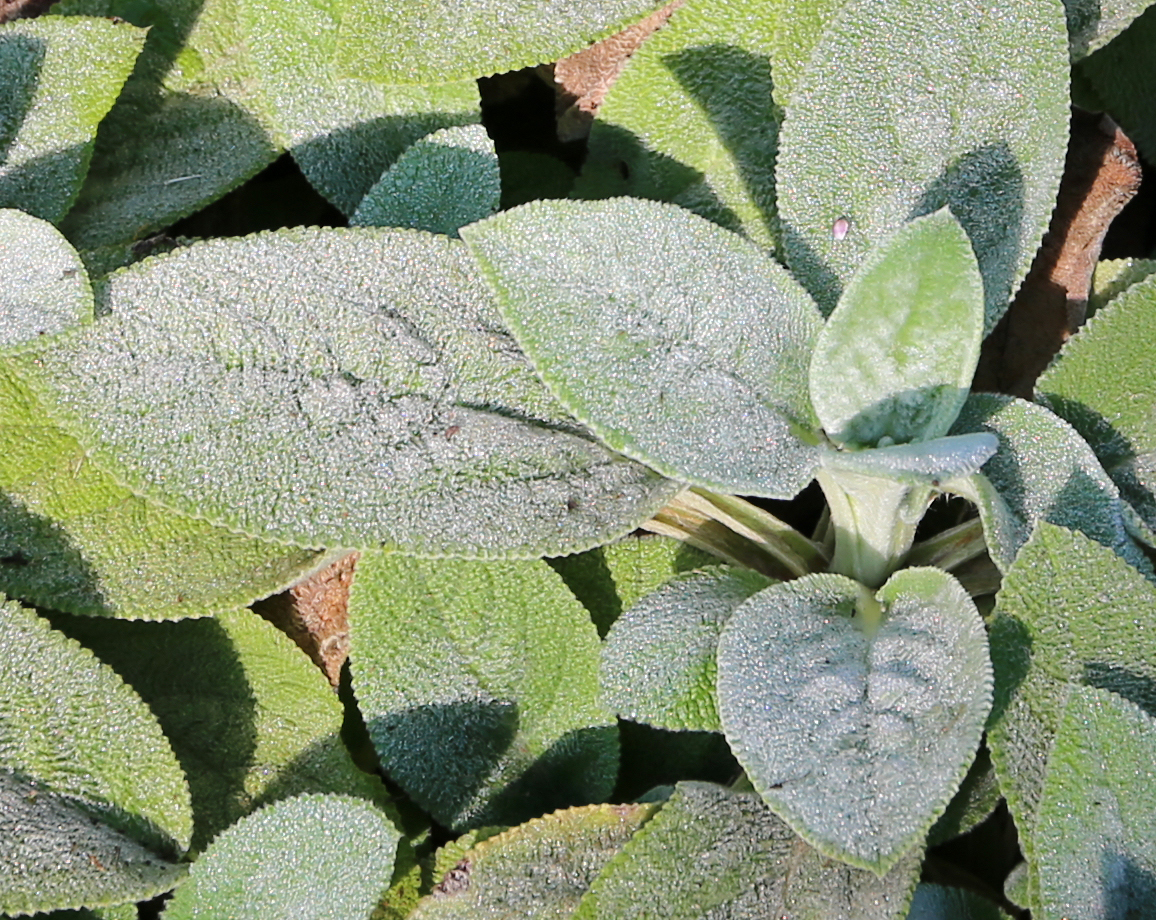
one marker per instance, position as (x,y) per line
(712,853)
(442,40)
(249,717)
(1070,613)
(44,288)
(190,125)
(658,661)
(60,78)
(910,105)
(343,132)
(1104,384)
(692,120)
(896,357)
(54,854)
(72,539)
(488,673)
(73,726)
(1095,853)
(443,182)
(334,858)
(680,344)
(540,869)
(393,409)
(1043,471)
(856,732)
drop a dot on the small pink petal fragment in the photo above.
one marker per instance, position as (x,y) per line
(840,229)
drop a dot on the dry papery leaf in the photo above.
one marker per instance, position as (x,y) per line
(1101,175)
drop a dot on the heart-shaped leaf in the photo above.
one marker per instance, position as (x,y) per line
(896,357)
(711,853)
(488,670)
(334,859)
(909,105)
(443,182)
(392,409)
(679,343)
(856,732)
(46,133)
(658,661)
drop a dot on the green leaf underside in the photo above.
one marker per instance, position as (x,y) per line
(44,288)
(936,902)
(910,105)
(344,133)
(190,125)
(896,357)
(712,853)
(249,716)
(540,869)
(72,539)
(1043,471)
(488,669)
(392,409)
(678,342)
(46,135)
(1104,385)
(927,462)
(441,183)
(858,743)
(977,797)
(72,725)
(692,120)
(1070,613)
(54,854)
(333,858)
(658,661)
(442,40)
(1095,850)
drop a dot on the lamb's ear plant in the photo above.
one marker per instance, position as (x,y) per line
(794,227)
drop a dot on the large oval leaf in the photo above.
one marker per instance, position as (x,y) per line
(71,724)
(60,78)
(713,854)
(679,343)
(896,358)
(343,387)
(857,740)
(910,105)
(479,685)
(314,857)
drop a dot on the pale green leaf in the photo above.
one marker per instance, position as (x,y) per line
(1042,471)
(73,539)
(55,854)
(1104,384)
(314,857)
(712,854)
(249,716)
(678,342)
(799,28)
(443,182)
(1070,612)
(658,661)
(910,105)
(1095,851)
(896,357)
(343,132)
(1094,23)
(856,732)
(44,288)
(926,462)
(436,41)
(393,410)
(1113,277)
(479,684)
(72,725)
(191,124)
(693,120)
(60,78)
(536,871)
(1122,74)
